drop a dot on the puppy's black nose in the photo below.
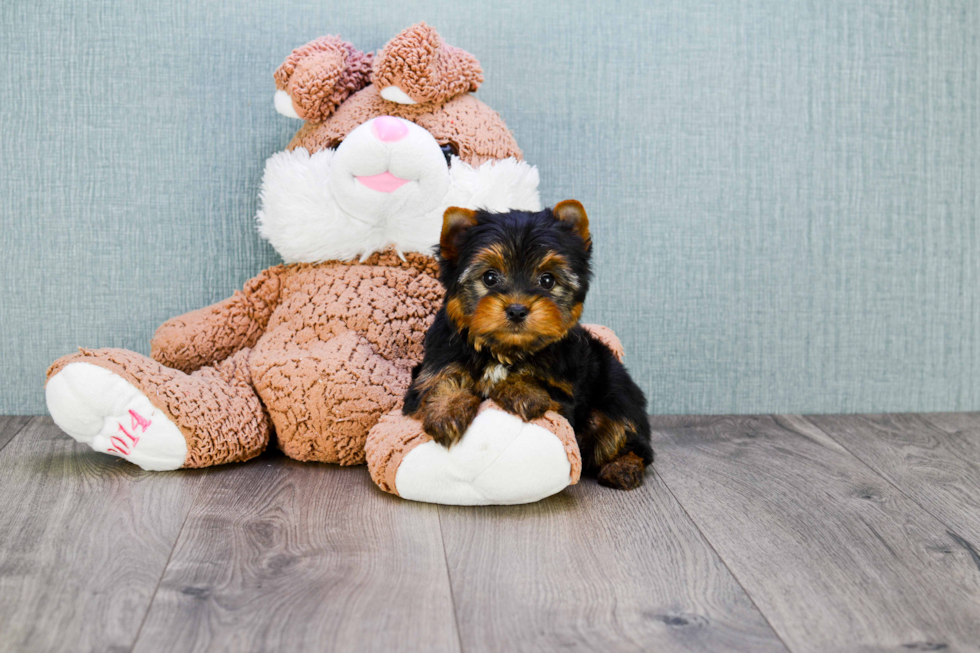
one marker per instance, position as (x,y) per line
(517,312)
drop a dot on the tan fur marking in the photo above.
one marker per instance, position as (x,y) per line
(564,386)
(552,260)
(546,319)
(608,436)
(448,405)
(625,472)
(454,309)
(545,324)
(522,395)
(489,317)
(493,257)
(572,212)
(455,220)
(428,380)
(447,416)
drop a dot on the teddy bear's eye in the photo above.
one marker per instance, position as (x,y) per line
(449,151)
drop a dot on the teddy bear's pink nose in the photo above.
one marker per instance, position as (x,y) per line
(389,129)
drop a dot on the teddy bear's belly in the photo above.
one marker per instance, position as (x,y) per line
(338,354)
(324,396)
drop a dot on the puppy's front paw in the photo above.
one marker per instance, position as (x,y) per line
(623,473)
(448,417)
(527,401)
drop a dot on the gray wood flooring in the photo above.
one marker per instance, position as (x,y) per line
(787,533)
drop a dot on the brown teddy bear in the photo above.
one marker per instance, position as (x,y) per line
(318,352)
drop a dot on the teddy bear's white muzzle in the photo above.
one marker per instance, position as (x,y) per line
(387,167)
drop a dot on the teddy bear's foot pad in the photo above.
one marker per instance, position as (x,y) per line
(111,415)
(500,460)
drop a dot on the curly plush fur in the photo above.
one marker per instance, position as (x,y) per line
(322,74)
(425,68)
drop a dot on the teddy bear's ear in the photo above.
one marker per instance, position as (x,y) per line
(317,77)
(418,66)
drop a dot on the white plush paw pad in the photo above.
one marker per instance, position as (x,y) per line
(500,460)
(109,414)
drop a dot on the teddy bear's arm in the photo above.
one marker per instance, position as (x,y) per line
(606,336)
(213,333)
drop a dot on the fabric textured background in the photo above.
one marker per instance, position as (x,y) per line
(784,194)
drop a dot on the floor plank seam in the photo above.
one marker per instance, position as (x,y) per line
(20,430)
(711,545)
(449,579)
(166,565)
(949,529)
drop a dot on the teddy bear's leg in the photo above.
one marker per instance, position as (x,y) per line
(499,460)
(125,404)
(324,398)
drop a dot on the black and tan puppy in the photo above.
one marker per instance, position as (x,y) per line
(509,331)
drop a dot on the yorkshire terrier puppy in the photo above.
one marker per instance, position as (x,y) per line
(509,331)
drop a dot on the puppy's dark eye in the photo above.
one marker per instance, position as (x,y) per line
(490,278)
(449,151)
(547,281)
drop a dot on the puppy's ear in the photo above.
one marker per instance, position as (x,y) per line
(572,212)
(455,221)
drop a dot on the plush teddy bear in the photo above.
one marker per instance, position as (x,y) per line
(318,352)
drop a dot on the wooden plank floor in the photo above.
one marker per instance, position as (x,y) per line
(830,533)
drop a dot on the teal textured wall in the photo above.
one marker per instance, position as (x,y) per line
(784,194)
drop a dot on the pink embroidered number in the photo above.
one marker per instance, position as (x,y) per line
(121,446)
(138,421)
